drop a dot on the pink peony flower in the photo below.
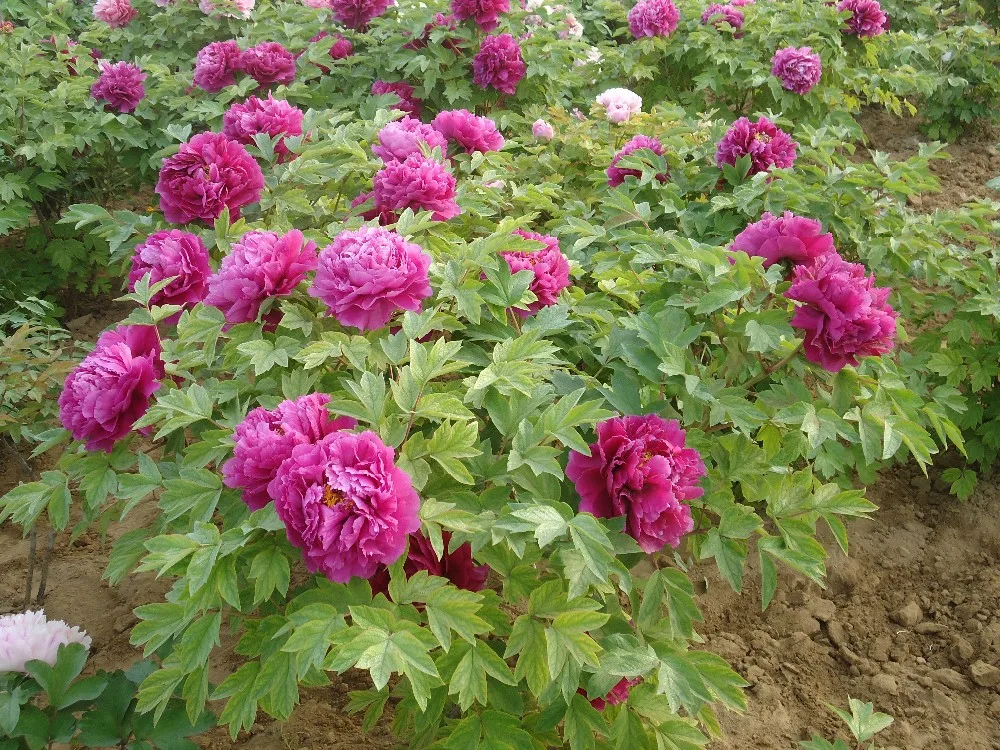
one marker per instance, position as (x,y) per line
(400,139)
(109,390)
(261,266)
(272,116)
(419,183)
(843,314)
(318,4)
(768,145)
(573,28)
(341,48)
(229,8)
(867,18)
(216,65)
(741,3)
(549,265)
(408,103)
(620,104)
(119,87)
(640,468)
(345,504)
(366,275)
(457,565)
(498,64)
(210,173)
(115,13)
(616,175)
(471,132)
(173,253)
(357,14)
(716,15)
(267,63)
(441,21)
(28,636)
(265,438)
(653,18)
(483,12)
(798,68)
(787,237)
(542,130)
(384,215)
(617,695)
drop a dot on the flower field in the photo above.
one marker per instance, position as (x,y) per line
(499,374)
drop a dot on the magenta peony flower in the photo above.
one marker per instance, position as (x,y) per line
(115,13)
(620,104)
(549,265)
(267,63)
(741,3)
(542,130)
(441,21)
(457,565)
(400,139)
(471,132)
(341,48)
(617,695)
(384,215)
(119,87)
(498,64)
(366,275)
(419,183)
(867,18)
(483,12)
(210,173)
(653,18)
(716,15)
(640,468)
(767,144)
(408,103)
(109,390)
(844,315)
(260,266)
(272,116)
(173,253)
(787,237)
(616,175)
(798,68)
(229,8)
(28,636)
(357,14)
(345,504)
(216,65)
(265,438)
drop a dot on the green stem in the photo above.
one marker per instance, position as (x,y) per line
(768,371)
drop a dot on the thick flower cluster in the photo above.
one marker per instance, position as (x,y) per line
(267,63)
(275,117)
(549,266)
(499,64)
(640,468)
(616,175)
(716,15)
(406,137)
(173,254)
(210,173)
(798,68)
(471,132)
(653,18)
(229,8)
(119,87)
(788,237)
(417,182)
(216,66)
(345,504)
(485,13)
(843,314)
(115,13)
(261,266)
(265,438)
(457,565)
(109,390)
(620,104)
(408,103)
(867,18)
(28,636)
(367,275)
(768,145)
(542,130)
(357,14)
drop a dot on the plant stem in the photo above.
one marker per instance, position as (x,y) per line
(44,573)
(768,371)
(31,570)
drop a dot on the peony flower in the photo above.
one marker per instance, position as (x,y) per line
(265,438)
(498,64)
(716,15)
(384,215)
(357,14)
(616,175)
(457,565)
(317,4)
(341,48)
(617,695)
(441,21)
(798,68)
(843,314)
(229,8)
(365,275)
(542,130)
(28,636)
(867,18)
(767,144)
(549,266)
(483,12)
(573,28)
(787,237)
(115,13)
(653,18)
(276,117)
(640,469)
(345,504)
(177,254)
(110,389)
(267,63)
(620,104)
(216,65)
(400,139)
(471,132)
(408,103)
(419,183)
(261,266)
(741,3)
(119,87)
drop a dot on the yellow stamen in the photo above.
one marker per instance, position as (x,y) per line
(331,497)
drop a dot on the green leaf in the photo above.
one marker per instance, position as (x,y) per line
(527,639)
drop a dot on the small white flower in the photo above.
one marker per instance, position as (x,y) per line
(620,104)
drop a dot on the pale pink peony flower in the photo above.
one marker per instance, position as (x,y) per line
(471,132)
(419,183)
(216,66)
(173,254)
(653,18)
(268,62)
(119,87)
(499,64)
(406,137)
(318,4)
(276,117)
(542,130)
(229,8)
(573,29)
(357,14)
(28,636)
(115,13)
(548,265)
(620,104)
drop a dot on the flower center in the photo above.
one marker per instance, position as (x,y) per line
(762,137)
(332,497)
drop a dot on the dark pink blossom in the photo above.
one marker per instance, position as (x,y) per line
(419,183)
(616,696)
(405,137)
(275,117)
(471,132)
(441,21)
(716,15)
(408,103)
(485,13)
(768,145)
(216,66)
(357,14)
(653,18)
(384,216)
(499,64)
(173,254)
(457,565)
(119,87)
(267,63)
(788,237)
(616,175)
(549,266)
(798,68)
(867,18)
(341,48)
